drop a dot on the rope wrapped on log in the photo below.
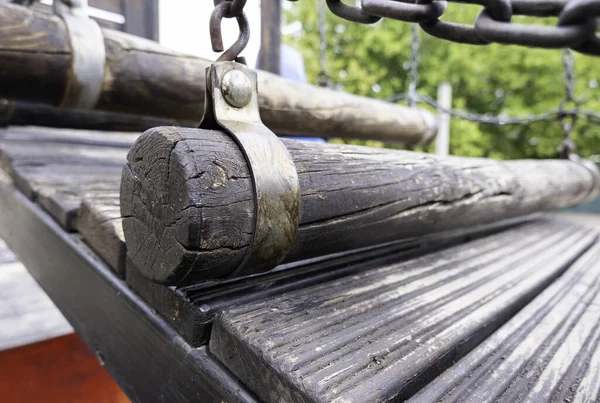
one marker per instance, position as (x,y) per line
(142,77)
(189,205)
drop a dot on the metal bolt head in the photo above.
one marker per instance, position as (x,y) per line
(236,88)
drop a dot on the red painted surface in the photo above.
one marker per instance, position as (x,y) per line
(58,370)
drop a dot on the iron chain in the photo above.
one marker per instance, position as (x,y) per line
(229,9)
(567,116)
(576,27)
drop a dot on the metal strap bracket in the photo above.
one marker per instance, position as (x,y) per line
(89,55)
(232,105)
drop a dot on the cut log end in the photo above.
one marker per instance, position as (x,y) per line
(187,203)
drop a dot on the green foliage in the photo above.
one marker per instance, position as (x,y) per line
(372,60)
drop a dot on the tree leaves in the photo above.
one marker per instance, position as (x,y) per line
(372,60)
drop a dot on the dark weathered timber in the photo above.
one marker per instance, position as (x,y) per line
(36,137)
(26,153)
(144,355)
(35,54)
(191,309)
(144,78)
(188,203)
(22,113)
(59,175)
(381,335)
(75,176)
(548,352)
(99,223)
(60,168)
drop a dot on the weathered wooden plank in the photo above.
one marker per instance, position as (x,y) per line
(35,54)
(188,202)
(63,135)
(145,356)
(191,309)
(60,187)
(383,334)
(548,352)
(22,113)
(74,175)
(99,222)
(59,168)
(144,78)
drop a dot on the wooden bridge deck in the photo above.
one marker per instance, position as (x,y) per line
(438,318)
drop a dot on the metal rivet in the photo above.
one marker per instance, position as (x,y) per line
(236,88)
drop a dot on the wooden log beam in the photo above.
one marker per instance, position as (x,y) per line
(188,202)
(25,114)
(142,77)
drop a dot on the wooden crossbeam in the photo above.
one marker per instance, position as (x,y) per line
(144,78)
(188,200)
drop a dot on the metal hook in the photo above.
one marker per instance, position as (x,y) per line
(237,7)
(222,10)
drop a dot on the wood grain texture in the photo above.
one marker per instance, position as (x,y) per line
(191,309)
(144,78)
(75,176)
(59,175)
(548,352)
(169,232)
(35,54)
(143,354)
(381,335)
(187,198)
(99,223)
(23,114)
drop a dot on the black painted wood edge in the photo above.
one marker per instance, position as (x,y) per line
(146,356)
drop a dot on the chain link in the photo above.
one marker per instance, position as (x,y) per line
(576,27)
(567,116)
(229,9)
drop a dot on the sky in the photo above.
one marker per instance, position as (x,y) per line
(183,26)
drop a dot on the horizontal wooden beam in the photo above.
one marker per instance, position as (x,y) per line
(188,202)
(144,78)
(27,114)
